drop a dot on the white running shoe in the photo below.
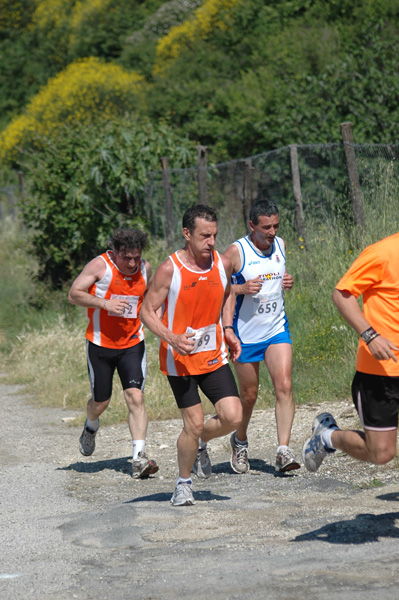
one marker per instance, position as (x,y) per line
(314,451)
(87,441)
(239,461)
(285,460)
(202,466)
(183,495)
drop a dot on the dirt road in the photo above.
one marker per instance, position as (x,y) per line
(74,527)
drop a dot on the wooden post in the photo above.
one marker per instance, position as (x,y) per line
(354,184)
(296,187)
(247,191)
(169,229)
(201,173)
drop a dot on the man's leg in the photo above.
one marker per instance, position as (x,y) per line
(142,467)
(248,381)
(377,447)
(227,419)
(137,418)
(187,443)
(278,359)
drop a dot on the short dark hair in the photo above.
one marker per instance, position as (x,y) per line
(127,239)
(264,208)
(200,211)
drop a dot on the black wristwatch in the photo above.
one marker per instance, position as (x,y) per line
(368,335)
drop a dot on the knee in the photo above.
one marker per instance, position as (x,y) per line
(283,388)
(248,397)
(381,456)
(233,417)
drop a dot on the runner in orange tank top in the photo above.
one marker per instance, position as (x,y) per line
(112,288)
(192,285)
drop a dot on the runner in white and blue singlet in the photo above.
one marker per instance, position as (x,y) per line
(259,321)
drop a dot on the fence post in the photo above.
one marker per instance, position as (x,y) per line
(354,184)
(201,174)
(296,188)
(247,191)
(169,229)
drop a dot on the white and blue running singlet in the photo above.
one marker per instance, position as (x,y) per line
(259,317)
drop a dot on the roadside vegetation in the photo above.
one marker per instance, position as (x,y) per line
(42,335)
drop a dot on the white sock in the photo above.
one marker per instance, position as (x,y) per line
(239,442)
(93,425)
(201,444)
(281,447)
(326,437)
(183,480)
(138,446)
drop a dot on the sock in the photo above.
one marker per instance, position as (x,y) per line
(326,438)
(183,480)
(239,442)
(93,425)
(138,446)
(281,448)
(201,444)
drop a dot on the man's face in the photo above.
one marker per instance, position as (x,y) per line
(203,238)
(265,231)
(127,260)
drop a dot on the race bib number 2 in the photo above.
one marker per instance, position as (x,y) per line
(131,312)
(204,339)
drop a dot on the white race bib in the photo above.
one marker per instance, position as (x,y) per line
(204,338)
(131,312)
(267,306)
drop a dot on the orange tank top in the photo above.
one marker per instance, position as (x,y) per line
(194,303)
(124,331)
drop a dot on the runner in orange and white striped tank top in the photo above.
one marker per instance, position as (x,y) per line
(112,288)
(193,285)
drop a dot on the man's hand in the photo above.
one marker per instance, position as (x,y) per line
(183,343)
(288,281)
(381,348)
(252,286)
(233,343)
(117,306)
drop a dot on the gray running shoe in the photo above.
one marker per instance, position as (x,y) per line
(314,451)
(285,461)
(183,495)
(87,441)
(202,466)
(239,458)
(142,467)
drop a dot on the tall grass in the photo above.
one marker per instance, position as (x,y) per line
(42,336)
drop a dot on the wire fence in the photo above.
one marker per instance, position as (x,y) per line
(308,182)
(314,182)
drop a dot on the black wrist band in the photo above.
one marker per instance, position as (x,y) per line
(372,337)
(228,327)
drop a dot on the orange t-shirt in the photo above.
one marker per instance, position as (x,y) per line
(375,275)
(114,331)
(194,303)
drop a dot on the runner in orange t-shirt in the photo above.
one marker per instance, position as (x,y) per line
(192,286)
(375,387)
(112,288)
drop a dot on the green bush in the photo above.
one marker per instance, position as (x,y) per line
(87,181)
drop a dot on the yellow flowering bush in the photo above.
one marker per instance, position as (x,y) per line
(85,89)
(213,14)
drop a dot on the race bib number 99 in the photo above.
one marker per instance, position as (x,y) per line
(204,339)
(131,312)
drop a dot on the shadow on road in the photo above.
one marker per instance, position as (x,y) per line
(362,529)
(121,465)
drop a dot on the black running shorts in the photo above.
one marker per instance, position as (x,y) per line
(215,385)
(131,364)
(376,398)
